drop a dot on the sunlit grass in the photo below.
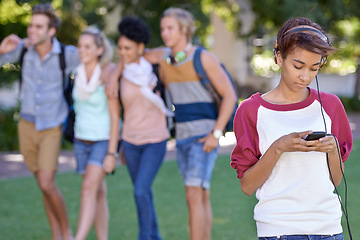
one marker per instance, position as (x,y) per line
(22,215)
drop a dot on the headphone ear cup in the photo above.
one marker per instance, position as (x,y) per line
(180,56)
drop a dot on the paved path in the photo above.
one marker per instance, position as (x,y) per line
(12,165)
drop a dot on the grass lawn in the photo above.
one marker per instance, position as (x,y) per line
(22,215)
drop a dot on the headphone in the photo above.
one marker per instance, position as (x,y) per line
(308,29)
(179,56)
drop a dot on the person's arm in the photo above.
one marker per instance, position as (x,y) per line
(154,56)
(340,128)
(9,44)
(114,111)
(107,72)
(254,177)
(10,49)
(112,85)
(222,85)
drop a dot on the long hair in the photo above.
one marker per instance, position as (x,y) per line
(101,41)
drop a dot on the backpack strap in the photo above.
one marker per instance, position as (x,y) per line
(203,77)
(208,85)
(200,71)
(21,60)
(62,61)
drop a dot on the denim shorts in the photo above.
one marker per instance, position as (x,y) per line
(194,164)
(306,237)
(89,153)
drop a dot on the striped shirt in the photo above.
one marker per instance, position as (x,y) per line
(195,111)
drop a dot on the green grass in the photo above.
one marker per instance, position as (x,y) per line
(22,215)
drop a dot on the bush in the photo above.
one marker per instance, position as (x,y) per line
(351,104)
(8,129)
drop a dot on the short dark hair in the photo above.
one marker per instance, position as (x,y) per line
(134,29)
(302,33)
(48,10)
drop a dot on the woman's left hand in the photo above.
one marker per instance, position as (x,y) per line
(325,144)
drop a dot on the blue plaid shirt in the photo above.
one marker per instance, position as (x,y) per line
(42,99)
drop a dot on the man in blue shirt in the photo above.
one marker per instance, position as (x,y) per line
(43,107)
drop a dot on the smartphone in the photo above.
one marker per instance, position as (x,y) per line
(315,136)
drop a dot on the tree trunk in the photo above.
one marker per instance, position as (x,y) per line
(357,82)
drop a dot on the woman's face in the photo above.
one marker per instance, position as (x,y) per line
(88,50)
(299,69)
(129,50)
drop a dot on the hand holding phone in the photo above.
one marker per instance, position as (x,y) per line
(315,136)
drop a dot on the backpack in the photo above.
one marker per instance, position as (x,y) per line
(68,83)
(165,95)
(204,79)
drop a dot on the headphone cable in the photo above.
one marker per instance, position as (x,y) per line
(343,208)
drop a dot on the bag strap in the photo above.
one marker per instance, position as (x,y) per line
(203,77)
(21,60)
(62,61)
(200,71)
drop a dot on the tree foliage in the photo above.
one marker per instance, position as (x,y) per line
(151,10)
(340,18)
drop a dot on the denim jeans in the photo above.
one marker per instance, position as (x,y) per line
(143,163)
(306,237)
(195,165)
(89,153)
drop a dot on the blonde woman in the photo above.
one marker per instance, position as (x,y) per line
(96,132)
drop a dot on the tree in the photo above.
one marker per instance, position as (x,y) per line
(341,18)
(151,10)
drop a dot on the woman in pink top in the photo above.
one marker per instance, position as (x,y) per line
(144,130)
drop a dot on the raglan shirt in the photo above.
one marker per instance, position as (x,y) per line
(298,197)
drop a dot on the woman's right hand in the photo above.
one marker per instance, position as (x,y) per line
(294,142)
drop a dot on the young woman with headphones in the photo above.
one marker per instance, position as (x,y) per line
(294,178)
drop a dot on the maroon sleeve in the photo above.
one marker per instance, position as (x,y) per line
(246,152)
(340,126)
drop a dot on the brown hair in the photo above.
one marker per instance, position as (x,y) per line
(302,33)
(48,10)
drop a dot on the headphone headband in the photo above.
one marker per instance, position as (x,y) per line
(306,28)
